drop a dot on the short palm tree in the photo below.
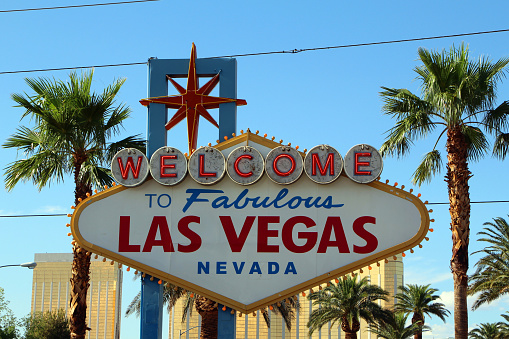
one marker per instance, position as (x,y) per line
(491,278)
(71,135)
(347,302)
(458,97)
(396,328)
(485,331)
(208,309)
(420,301)
(504,326)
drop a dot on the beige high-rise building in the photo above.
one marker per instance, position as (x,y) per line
(387,275)
(51,287)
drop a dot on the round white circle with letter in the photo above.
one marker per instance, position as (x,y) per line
(363,164)
(284,165)
(168,166)
(245,165)
(129,167)
(207,165)
(323,164)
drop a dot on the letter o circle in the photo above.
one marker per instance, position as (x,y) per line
(284,165)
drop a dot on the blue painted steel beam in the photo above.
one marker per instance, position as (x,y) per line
(225,323)
(151,291)
(151,309)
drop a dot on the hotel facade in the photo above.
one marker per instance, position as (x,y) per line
(51,288)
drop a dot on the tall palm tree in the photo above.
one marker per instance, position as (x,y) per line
(208,309)
(420,301)
(458,97)
(491,278)
(395,328)
(485,331)
(71,135)
(347,302)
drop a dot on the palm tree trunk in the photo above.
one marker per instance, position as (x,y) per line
(459,202)
(79,287)
(208,312)
(350,331)
(419,319)
(80,273)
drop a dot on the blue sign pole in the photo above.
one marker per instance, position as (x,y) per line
(151,291)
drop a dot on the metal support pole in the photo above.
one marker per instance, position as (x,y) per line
(151,309)
(152,292)
(225,323)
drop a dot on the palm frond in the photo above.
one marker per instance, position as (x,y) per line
(134,306)
(490,280)
(40,169)
(476,141)
(430,165)
(129,142)
(497,119)
(287,310)
(501,146)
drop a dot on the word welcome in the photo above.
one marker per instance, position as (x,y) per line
(245,165)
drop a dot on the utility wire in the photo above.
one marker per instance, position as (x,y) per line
(293,51)
(65,214)
(33,215)
(69,68)
(73,6)
(472,202)
(365,44)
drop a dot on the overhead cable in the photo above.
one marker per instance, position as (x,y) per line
(64,214)
(293,51)
(73,6)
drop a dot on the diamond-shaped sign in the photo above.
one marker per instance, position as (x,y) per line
(249,246)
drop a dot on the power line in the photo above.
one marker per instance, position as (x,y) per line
(73,6)
(33,215)
(65,215)
(472,202)
(293,51)
(70,68)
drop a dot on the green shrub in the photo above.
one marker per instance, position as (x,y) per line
(47,325)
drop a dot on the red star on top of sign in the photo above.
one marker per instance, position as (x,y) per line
(192,102)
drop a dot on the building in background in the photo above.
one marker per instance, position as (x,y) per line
(388,275)
(51,288)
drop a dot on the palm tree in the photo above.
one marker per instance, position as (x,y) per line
(458,97)
(485,331)
(419,300)
(71,136)
(491,278)
(208,309)
(395,328)
(347,302)
(504,326)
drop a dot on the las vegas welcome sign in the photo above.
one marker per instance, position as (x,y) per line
(249,222)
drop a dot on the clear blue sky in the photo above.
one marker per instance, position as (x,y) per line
(310,98)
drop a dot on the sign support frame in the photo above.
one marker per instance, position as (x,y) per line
(151,290)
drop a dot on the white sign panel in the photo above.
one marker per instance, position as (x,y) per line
(247,246)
